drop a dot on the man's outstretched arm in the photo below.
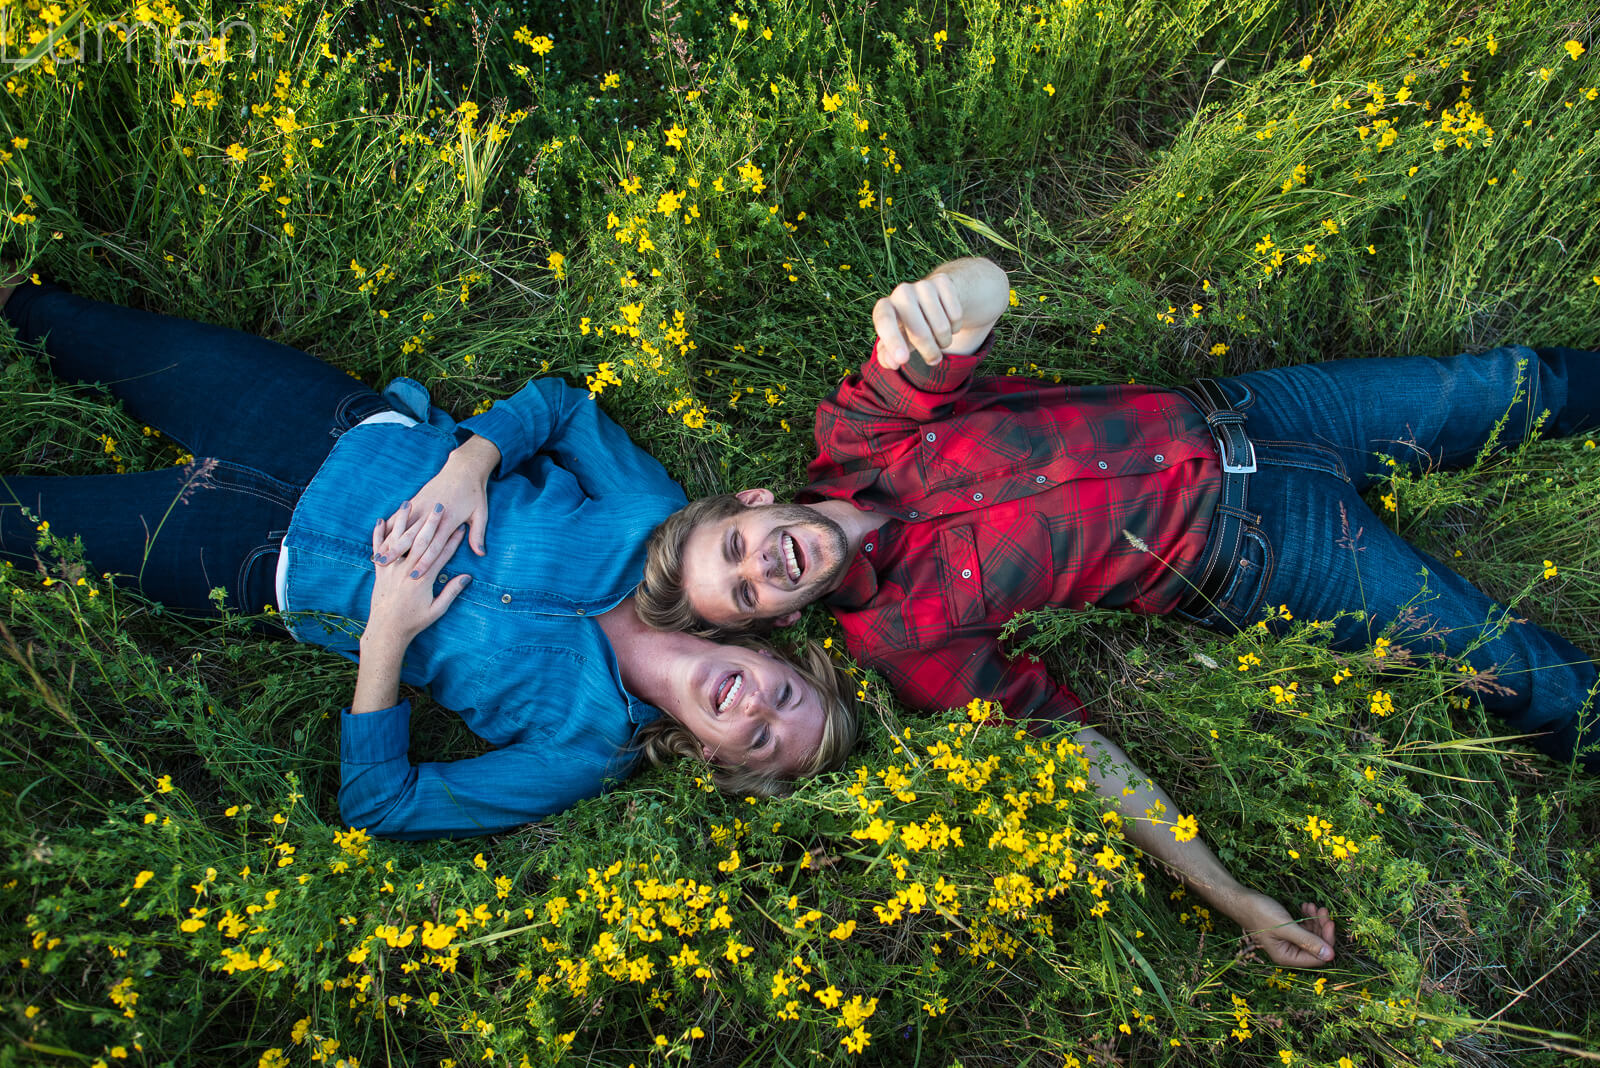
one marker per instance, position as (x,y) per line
(1148,817)
(951,310)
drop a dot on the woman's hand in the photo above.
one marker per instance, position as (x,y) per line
(403,601)
(460,490)
(1307,943)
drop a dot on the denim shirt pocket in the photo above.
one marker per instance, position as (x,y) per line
(535,691)
(961,576)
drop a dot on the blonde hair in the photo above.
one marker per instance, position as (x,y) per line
(665,739)
(661,600)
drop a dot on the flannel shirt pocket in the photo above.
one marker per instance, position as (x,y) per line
(971,447)
(960,576)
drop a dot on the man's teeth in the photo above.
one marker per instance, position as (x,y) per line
(789,559)
(732,694)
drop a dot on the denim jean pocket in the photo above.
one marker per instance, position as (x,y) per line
(359,404)
(1241,602)
(256,587)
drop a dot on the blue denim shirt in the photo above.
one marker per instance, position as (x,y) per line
(519,654)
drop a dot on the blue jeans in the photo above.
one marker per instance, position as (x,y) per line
(258,417)
(1311,542)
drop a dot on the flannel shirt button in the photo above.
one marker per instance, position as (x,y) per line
(1103,465)
(977,496)
(505,598)
(1160,459)
(931,435)
(966,572)
(912,514)
(869,546)
(1039,479)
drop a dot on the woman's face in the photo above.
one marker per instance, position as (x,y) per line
(746,707)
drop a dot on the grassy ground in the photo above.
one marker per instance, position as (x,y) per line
(692,208)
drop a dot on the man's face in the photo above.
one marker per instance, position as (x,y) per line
(766,562)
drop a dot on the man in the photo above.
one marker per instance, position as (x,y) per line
(941,505)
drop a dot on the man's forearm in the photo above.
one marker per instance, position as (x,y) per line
(1149,816)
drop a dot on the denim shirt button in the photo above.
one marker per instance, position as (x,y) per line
(580,611)
(505,598)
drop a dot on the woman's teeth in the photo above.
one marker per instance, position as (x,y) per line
(734,689)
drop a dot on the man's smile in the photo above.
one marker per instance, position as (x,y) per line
(793,557)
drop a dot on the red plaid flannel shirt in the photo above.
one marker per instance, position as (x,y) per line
(1005,494)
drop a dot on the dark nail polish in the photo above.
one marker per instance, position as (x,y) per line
(405,504)
(383,558)
(466,580)
(416,574)
(438,508)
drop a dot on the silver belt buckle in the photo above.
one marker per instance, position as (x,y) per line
(1246,468)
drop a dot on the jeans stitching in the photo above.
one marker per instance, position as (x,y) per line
(1336,463)
(258,484)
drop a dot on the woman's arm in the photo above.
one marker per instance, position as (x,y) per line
(403,602)
(380,789)
(1149,817)
(460,489)
(547,416)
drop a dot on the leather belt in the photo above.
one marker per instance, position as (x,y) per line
(1238,456)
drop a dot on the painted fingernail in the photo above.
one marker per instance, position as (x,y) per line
(466,580)
(405,504)
(438,508)
(416,574)
(383,558)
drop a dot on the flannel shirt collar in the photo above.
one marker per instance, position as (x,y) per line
(860,585)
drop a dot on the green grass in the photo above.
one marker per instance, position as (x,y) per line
(664,160)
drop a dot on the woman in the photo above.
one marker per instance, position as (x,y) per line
(529,633)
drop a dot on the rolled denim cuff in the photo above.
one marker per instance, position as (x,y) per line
(375,737)
(501,426)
